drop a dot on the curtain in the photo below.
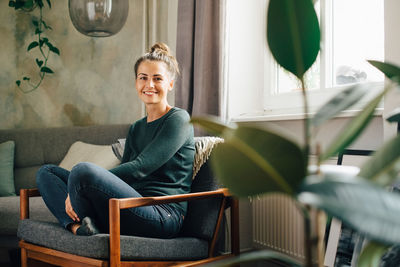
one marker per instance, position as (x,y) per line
(198,51)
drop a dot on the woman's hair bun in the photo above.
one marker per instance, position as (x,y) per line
(160,52)
(160,47)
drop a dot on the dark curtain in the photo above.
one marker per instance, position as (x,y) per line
(198,52)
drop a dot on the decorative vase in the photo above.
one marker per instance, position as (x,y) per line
(98,18)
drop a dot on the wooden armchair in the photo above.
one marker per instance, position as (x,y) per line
(45,242)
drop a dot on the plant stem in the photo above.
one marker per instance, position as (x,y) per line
(306,122)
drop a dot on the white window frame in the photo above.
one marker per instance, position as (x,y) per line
(259,103)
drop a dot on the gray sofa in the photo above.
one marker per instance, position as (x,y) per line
(34,148)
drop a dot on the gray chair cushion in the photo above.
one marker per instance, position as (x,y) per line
(9,213)
(97,246)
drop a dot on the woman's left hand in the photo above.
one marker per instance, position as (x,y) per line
(70,211)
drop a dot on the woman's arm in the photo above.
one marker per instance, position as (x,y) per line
(169,139)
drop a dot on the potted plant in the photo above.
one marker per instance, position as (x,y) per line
(254,161)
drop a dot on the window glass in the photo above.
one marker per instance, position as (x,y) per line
(358,35)
(353,33)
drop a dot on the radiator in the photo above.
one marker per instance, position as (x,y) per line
(278,225)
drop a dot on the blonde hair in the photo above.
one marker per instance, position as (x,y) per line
(160,52)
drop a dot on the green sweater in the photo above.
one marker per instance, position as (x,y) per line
(158,156)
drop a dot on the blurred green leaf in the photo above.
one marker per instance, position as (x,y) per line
(370,210)
(48,2)
(11,3)
(342,101)
(391,71)
(26,78)
(46,69)
(35,22)
(32,45)
(371,254)
(293,34)
(255,161)
(384,165)
(394,116)
(212,124)
(254,257)
(18,82)
(353,129)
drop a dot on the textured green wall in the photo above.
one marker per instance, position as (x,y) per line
(93,81)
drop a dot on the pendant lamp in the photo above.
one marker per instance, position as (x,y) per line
(98,18)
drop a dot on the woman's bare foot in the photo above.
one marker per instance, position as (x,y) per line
(74,227)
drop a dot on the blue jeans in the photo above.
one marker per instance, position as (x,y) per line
(90,187)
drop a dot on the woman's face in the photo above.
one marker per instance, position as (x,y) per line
(153,82)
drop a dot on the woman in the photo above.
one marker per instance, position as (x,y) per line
(157,160)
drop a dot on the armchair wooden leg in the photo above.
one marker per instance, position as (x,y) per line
(235,242)
(24,258)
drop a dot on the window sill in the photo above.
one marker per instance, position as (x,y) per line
(291,114)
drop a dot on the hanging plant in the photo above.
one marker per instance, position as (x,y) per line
(42,43)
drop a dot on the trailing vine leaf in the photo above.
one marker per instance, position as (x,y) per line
(254,161)
(353,128)
(384,165)
(32,45)
(293,34)
(48,2)
(46,69)
(39,62)
(26,78)
(342,101)
(18,82)
(371,254)
(370,210)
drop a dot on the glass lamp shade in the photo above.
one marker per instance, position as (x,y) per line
(98,18)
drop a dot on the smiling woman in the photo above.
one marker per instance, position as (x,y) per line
(157,161)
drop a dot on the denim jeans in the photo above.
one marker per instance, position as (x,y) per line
(90,187)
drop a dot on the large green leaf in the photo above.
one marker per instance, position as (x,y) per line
(255,161)
(391,71)
(353,128)
(293,34)
(371,254)
(369,209)
(384,165)
(212,124)
(255,256)
(342,101)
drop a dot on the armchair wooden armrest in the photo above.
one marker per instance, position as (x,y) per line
(115,205)
(24,195)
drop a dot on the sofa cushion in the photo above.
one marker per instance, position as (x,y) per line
(52,235)
(101,155)
(201,217)
(9,213)
(7,169)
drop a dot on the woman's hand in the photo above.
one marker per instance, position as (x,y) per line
(70,211)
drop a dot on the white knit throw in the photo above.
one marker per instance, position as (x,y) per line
(203,145)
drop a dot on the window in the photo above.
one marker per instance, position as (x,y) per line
(352,32)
